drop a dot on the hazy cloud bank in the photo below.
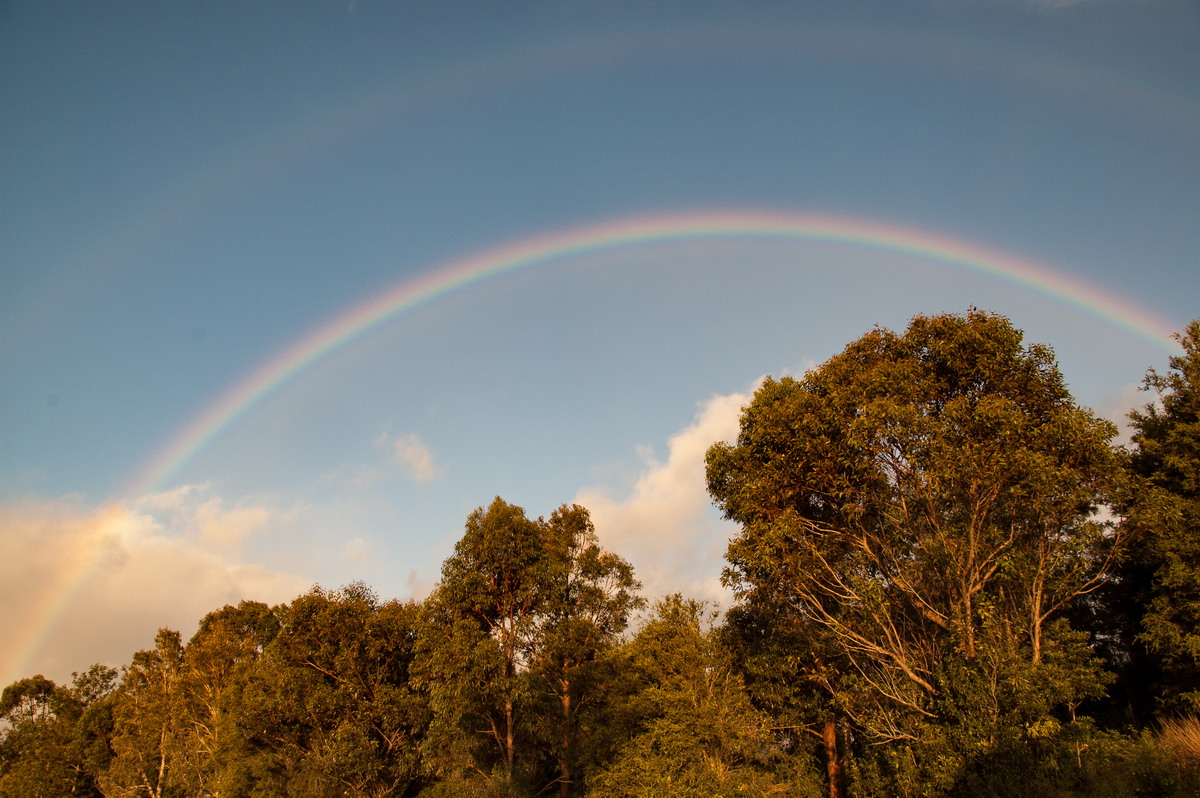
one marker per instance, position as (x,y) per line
(87,584)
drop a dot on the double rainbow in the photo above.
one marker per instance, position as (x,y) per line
(543,250)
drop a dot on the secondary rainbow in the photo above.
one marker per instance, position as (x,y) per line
(544,249)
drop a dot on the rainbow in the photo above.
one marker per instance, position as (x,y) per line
(544,249)
(404,97)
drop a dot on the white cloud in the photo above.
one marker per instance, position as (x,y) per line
(411,454)
(195,511)
(666,525)
(88,584)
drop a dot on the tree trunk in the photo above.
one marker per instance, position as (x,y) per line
(833,759)
(1035,621)
(509,739)
(564,766)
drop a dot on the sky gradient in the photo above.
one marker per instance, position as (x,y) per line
(288,289)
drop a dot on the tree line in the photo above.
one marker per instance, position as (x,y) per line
(948,581)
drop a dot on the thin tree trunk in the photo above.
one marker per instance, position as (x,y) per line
(833,759)
(509,739)
(1035,621)
(564,767)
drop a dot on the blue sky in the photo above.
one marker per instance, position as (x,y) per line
(187,189)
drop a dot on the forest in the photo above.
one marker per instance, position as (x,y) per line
(949,579)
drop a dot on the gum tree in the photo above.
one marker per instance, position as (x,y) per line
(511,643)
(1163,573)
(926,504)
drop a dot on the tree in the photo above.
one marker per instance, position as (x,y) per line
(53,739)
(791,671)
(217,660)
(922,502)
(330,707)
(587,598)
(692,728)
(480,624)
(145,738)
(1163,571)
(512,641)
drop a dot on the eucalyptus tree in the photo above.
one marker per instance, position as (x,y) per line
(329,707)
(227,646)
(587,597)
(926,504)
(691,728)
(511,644)
(53,738)
(146,740)
(1162,574)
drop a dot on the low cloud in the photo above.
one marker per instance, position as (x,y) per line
(88,584)
(666,525)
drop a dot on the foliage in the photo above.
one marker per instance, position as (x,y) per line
(332,706)
(1163,572)
(920,553)
(513,641)
(54,739)
(926,504)
(693,729)
(146,744)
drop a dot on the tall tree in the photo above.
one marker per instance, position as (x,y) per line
(1163,571)
(54,739)
(480,630)
(587,598)
(145,740)
(799,692)
(922,500)
(511,639)
(216,662)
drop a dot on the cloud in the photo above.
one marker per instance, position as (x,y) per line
(1116,408)
(666,525)
(91,584)
(196,511)
(410,453)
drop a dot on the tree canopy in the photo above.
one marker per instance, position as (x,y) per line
(1164,511)
(927,503)
(949,581)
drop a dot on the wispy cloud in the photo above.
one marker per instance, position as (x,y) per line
(666,525)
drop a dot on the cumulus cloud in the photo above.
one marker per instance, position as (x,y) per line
(90,584)
(666,525)
(411,454)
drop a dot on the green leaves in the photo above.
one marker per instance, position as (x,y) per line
(1163,573)
(919,499)
(921,522)
(692,729)
(512,644)
(53,739)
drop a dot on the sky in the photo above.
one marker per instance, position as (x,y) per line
(287,289)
